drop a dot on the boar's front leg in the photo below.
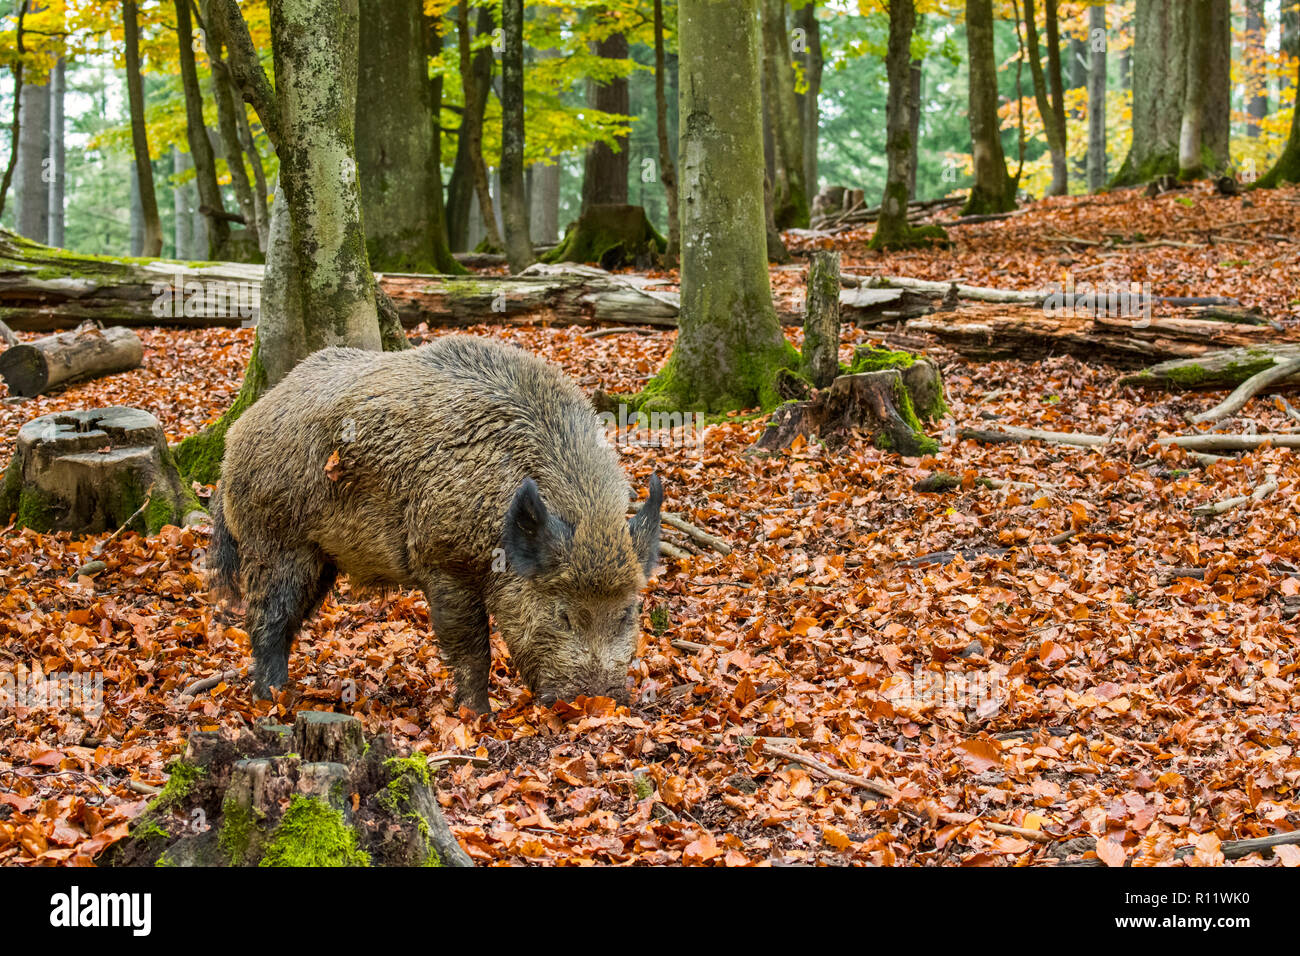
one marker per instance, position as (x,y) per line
(282,588)
(460,623)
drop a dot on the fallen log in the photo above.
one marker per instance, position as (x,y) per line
(1228,368)
(1214,442)
(1247,390)
(1009,433)
(993,331)
(40,365)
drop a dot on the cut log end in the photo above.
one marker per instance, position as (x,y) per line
(35,367)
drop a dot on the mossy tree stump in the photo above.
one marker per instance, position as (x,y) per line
(610,235)
(314,794)
(886,395)
(95,470)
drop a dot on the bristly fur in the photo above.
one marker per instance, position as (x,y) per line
(432,449)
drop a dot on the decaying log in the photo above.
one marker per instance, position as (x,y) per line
(34,367)
(1247,390)
(990,332)
(252,797)
(1009,434)
(95,470)
(1219,369)
(1214,441)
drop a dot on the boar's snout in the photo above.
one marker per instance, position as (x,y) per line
(603,687)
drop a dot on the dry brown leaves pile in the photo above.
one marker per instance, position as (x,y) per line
(1079,690)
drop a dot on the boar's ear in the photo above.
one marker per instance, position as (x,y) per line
(533,536)
(645,527)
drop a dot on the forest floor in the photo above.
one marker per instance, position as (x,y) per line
(1081,690)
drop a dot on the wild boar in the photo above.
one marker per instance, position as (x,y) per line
(466,468)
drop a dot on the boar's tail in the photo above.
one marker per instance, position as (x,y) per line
(223,555)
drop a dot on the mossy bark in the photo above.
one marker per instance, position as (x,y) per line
(264,798)
(1287,167)
(1159,81)
(611,236)
(1224,369)
(730,344)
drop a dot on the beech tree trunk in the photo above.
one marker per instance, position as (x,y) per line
(605,169)
(514,202)
(1049,100)
(1096,46)
(1287,167)
(471,123)
(57,155)
(994,190)
(205,164)
(730,344)
(397,141)
(809,105)
(1191,161)
(243,245)
(790,202)
(477,71)
(667,168)
(1159,80)
(32,199)
(152,245)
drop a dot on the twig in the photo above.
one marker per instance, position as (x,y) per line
(1289,409)
(1215,441)
(471,759)
(148,496)
(689,647)
(139,786)
(1247,390)
(672,551)
(889,793)
(1222,507)
(697,534)
(207,683)
(619,330)
(1009,433)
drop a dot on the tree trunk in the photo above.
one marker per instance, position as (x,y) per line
(1096,46)
(397,140)
(460,188)
(475,85)
(152,245)
(790,202)
(915,78)
(16,126)
(892,228)
(994,190)
(182,233)
(205,164)
(330,290)
(1159,81)
(809,107)
(821,325)
(667,168)
(605,169)
(1287,167)
(1048,99)
(136,234)
(514,202)
(1216,117)
(260,187)
(730,344)
(1257,95)
(34,367)
(242,246)
(1191,156)
(58,154)
(32,200)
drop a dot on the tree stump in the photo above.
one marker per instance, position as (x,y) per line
(821,324)
(38,366)
(252,798)
(886,395)
(610,235)
(95,470)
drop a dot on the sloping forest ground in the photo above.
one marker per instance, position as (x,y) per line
(1080,689)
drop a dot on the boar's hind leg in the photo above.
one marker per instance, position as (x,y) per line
(282,592)
(460,623)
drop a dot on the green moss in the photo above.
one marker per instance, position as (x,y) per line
(198,458)
(659,620)
(868,359)
(147,827)
(912,441)
(36,509)
(180,782)
(10,487)
(643,786)
(164,860)
(312,833)
(1189,375)
(237,828)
